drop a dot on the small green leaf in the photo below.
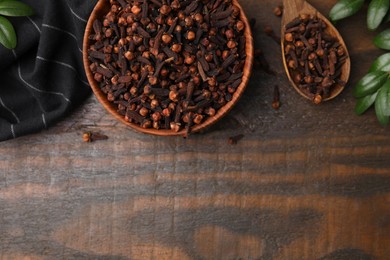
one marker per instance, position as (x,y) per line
(345,8)
(383,120)
(382,105)
(15,8)
(370,83)
(364,103)
(7,33)
(382,63)
(377,9)
(384,98)
(382,40)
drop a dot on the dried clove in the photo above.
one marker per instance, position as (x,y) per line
(313,57)
(261,62)
(276,100)
(233,140)
(92,136)
(278,10)
(270,33)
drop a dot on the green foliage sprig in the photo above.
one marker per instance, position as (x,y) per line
(7,31)
(374,88)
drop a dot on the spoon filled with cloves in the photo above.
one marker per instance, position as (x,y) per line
(315,56)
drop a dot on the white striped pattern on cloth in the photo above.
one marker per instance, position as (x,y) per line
(44,120)
(21,78)
(33,78)
(35,25)
(64,31)
(63,64)
(76,15)
(9,110)
(13,131)
(34,88)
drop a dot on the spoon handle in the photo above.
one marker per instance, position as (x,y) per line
(292,8)
(294,4)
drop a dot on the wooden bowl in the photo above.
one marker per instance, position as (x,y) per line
(101,8)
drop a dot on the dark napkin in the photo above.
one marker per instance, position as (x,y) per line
(43,79)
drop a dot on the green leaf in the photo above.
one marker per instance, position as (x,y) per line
(370,83)
(386,19)
(383,120)
(382,104)
(15,8)
(7,33)
(345,8)
(384,98)
(382,40)
(377,9)
(382,63)
(364,103)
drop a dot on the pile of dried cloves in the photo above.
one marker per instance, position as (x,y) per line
(314,58)
(168,64)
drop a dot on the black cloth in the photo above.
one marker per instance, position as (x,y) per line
(43,79)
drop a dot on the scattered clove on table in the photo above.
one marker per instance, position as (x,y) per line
(93,136)
(233,140)
(276,100)
(278,10)
(261,63)
(270,33)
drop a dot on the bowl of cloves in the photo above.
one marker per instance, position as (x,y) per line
(168,67)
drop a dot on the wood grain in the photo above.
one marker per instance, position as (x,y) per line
(305,182)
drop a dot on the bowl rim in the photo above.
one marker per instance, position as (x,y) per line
(99,10)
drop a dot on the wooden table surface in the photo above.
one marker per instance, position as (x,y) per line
(305,182)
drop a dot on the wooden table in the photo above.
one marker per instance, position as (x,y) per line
(305,182)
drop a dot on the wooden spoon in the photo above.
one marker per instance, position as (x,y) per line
(292,10)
